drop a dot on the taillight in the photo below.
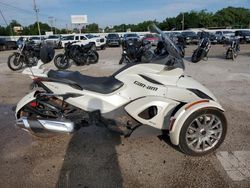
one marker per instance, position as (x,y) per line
(33,104)
(172,120)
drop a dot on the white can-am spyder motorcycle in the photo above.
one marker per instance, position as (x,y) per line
(138,96)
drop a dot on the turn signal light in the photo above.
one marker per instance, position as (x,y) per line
(194,103)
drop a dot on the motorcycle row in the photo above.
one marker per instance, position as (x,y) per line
(140,51)
(133,51)
(29,53)
(233,48)
(156,97)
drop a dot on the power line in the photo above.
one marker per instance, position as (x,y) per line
(30,12)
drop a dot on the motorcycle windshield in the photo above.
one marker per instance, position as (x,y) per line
(171,48)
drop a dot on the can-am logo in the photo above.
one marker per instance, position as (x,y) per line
(145,86)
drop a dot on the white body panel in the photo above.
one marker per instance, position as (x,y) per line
(163,107)
(26,99)
(144,84)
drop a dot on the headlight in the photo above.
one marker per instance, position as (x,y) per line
(98,40)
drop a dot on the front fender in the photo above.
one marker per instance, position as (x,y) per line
(25,100)
(184,112)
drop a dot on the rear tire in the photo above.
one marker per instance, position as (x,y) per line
(103,47)
(147,57)
(121,60)
(203,132)
(93,57)
(15,62)
(61,62)
(198,55)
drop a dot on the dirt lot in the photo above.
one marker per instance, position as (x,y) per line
(94,157)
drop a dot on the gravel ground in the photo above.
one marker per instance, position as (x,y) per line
(94,157)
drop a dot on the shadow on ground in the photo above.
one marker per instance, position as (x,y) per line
(91,160)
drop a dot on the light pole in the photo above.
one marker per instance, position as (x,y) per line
(37,21)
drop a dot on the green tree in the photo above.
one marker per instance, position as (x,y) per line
(91,28)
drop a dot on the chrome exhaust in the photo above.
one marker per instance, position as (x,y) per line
(58,126)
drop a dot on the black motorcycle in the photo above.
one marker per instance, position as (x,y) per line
(134,51)
(233,49)
(202,50)
(179,41)
(79,54)
(28,54)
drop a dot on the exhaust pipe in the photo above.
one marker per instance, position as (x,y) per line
(41,125)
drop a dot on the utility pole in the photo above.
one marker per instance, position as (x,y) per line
(37,21)
(182,21)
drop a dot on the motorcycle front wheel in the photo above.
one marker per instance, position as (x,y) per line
(61,62)
(203,132)
(15,62)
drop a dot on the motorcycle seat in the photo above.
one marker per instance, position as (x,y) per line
(103,85)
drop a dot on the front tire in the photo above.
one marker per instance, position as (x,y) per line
(203,132)
(15,62)
(61,62)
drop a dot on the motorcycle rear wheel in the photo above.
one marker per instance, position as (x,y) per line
(15,62)
(198,55)
(61,62)
(93,57)
(147,57)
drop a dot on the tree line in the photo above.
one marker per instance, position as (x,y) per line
(230,17)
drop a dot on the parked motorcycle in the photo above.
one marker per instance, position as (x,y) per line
(156,95)
(233,50)
(134,51)
(202,50)
(79,54)
(28,54)
(179,41)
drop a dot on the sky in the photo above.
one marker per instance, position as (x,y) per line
(107,12)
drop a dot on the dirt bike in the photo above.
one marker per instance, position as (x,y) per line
(156,96)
